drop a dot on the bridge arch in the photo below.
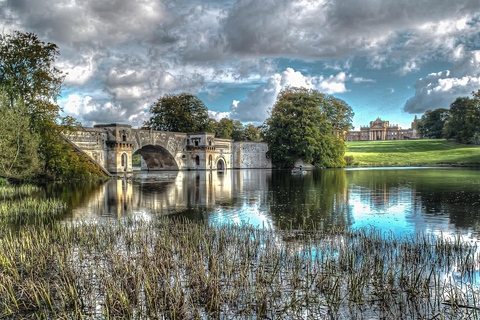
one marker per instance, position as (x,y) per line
(221,164)
(157,158)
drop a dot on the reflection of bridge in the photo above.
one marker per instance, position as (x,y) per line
(112,146)
(175,192)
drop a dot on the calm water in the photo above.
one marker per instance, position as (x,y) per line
(435,200)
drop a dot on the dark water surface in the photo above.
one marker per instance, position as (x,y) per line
(434,200)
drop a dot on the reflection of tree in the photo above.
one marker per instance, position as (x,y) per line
(74,195)
(315,200)
(451,193)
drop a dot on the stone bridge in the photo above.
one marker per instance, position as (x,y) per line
(111,146)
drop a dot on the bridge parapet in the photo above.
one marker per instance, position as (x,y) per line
(113,145)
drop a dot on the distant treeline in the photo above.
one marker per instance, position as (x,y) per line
(461,122)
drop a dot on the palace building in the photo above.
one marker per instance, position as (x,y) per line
(382,130)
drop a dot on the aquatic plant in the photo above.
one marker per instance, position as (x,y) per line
(170,269)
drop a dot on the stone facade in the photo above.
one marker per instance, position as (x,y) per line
(382,130)
(249,154)
(112,146)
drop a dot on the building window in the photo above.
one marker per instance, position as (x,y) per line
(197,160)
(124,160)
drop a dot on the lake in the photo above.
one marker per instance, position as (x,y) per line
(397,200)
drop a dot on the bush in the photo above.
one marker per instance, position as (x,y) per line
(349,160)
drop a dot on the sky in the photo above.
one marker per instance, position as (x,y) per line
(392,59)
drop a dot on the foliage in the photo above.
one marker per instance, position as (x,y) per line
(412,153)
(349,160)
(432,123)
(27,74)
(304,125)
(179,113)
(18,145)
(251,133)
(234,129)
(3,182)
(464,121)
(224,128)
(338,112)
(238,133)
(66,163)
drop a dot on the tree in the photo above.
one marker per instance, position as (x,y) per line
(31,85)
(432,123)
(224,128)
(27,72)
(338,112)
(463,124)
(238,133)
(304,125)
(251,133)
(179,113)
(18,146)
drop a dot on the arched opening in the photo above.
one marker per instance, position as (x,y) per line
(197,160)
(221,164)
(157,158)
(124,161)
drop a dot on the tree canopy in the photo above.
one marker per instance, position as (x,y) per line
(30,85)
(235,130)
(463,124)
(18,145)
(305,124)
(183,112)
(432,124)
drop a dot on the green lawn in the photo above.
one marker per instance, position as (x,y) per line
(412,152)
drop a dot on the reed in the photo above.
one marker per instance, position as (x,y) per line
(18,203)
(170,269)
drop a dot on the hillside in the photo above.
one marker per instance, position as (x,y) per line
(431,152)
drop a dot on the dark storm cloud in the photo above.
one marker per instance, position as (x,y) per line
(121,55)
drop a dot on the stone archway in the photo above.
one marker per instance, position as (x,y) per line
(221,164)
(157,158)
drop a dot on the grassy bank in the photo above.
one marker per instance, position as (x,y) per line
(412,153)
(170,269)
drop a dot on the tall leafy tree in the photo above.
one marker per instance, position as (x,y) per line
(18,145)
(432,123)
(224,128)
(27,74)
(183,112)
(304,124)
(238,132)
(251,133)
(27,71)
(463,124)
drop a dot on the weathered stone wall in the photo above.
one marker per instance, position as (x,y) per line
(248,154)
(113,145)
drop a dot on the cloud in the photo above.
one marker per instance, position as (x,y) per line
(256,106)
(386,32)
(219,115)
(90,111)
(124,54)
(439,90)
(363,80)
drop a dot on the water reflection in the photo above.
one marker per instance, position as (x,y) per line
(408,200)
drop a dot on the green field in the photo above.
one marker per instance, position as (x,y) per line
(432,152)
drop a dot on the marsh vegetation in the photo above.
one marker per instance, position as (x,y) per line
(176,269)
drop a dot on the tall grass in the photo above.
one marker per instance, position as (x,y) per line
(170,269)
(17,203)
